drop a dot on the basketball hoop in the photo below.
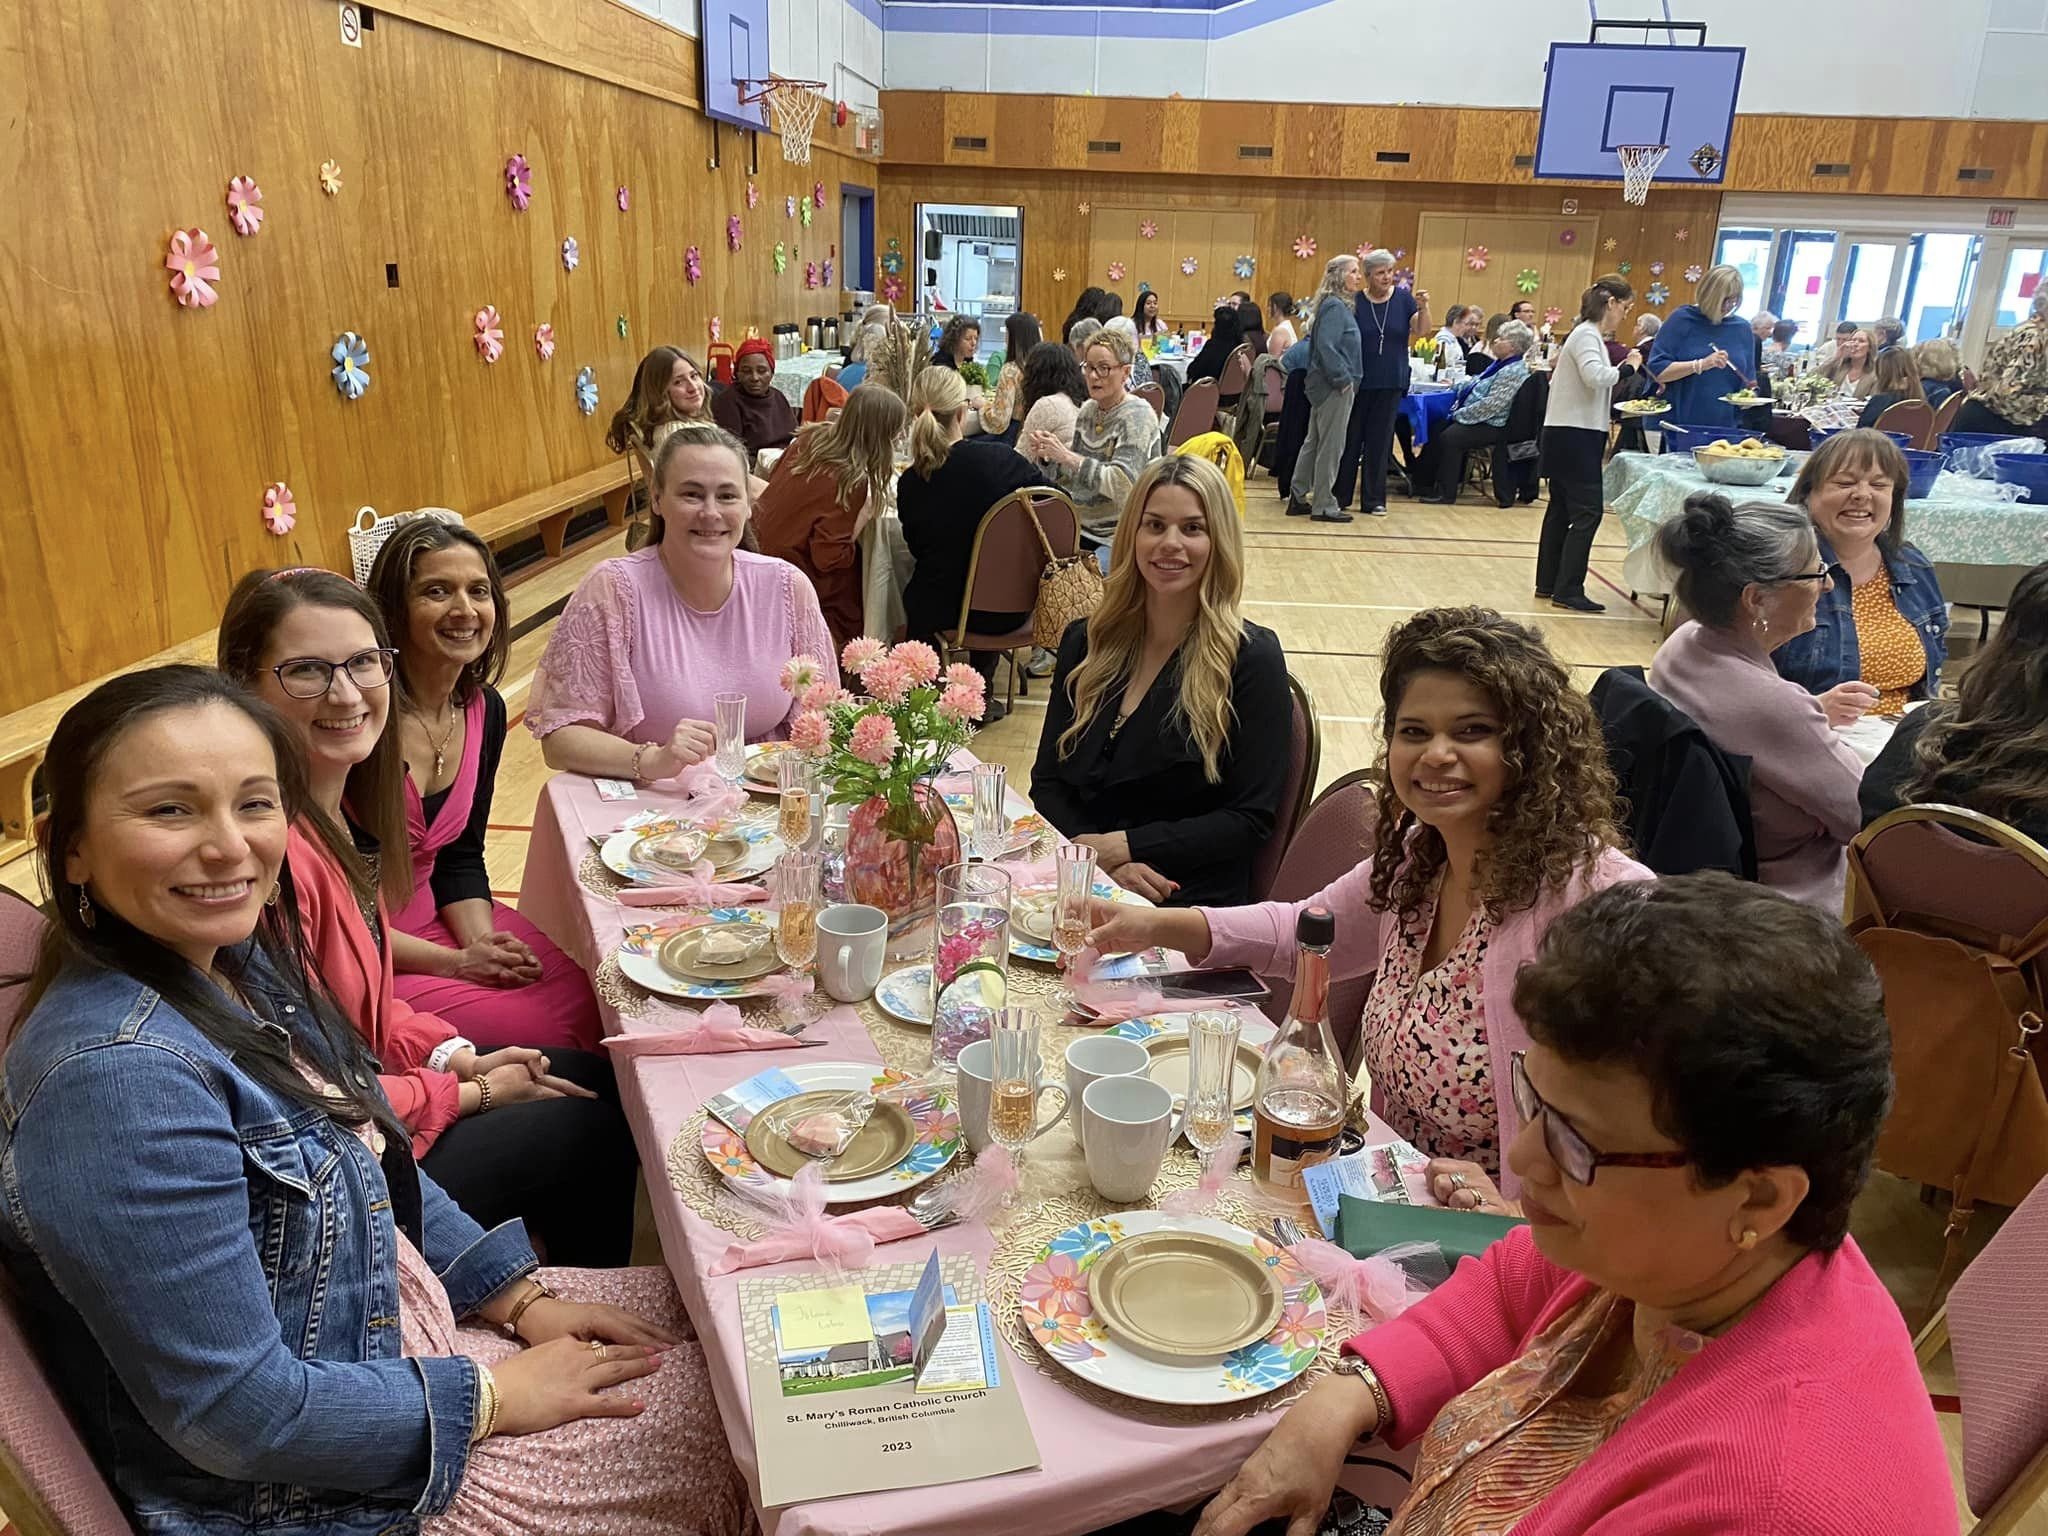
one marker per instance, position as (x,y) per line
(1639,164)
(793,107)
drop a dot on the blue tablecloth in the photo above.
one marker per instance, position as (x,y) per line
(1426,410)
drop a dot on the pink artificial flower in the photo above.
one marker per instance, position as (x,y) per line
(919,660)
(810,732)
(874,740)
(490,334)
(958,703)
(194,265)
(822,694)
(732,231)
(245,205)
(280,510)
(625,198)
(693,265)
(817,194)
(961,675)
(798,674)
(753,195)
(861,652)
(887,679)
(544,341)
(519,181)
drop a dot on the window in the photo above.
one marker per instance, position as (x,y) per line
(2025,270)
(1800,284)
(1749,252)
(1867,283)
(1939,271)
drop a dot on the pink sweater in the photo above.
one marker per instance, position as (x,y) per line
(1807,1418)
(1262,937)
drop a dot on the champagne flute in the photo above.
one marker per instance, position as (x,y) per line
(991,811)
(730,723)
(1212,1079)
(1015,1068)
(1074,870)
(795,889)
(796,776)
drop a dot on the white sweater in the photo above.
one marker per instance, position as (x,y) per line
(1582,382)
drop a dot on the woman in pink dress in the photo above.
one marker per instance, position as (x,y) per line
(625,687)
(459,952)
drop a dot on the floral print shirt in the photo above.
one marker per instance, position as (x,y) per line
(2015,382)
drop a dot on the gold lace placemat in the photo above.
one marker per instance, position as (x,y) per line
(595,878)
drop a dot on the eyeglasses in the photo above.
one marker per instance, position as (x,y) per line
(308,677)
(1806,576)
(1100,370)
(1572,1153)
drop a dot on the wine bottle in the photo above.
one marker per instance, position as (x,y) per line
(1298,1100)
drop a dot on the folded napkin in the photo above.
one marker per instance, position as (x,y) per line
(718,1029)
(695,889)
(800,1229)
(1375,1289)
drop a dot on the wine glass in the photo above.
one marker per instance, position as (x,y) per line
(1212,1079)
(730,723)
(1074,872)
(795,889)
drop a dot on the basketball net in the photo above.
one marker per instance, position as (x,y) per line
(1639,164)
(793,108)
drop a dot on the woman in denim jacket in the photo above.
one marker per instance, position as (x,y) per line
(1880,634)
(238,1278)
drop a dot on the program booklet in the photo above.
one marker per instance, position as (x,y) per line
(1393,1172)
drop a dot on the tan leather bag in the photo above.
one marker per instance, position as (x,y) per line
(1069,588)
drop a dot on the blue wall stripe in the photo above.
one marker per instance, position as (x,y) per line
(1197,19)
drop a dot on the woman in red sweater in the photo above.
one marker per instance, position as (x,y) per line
(1684,1339)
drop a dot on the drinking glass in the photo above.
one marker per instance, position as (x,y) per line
(795,889)
(730,710)
(1074,870)
(1015,1068)
(991,812)
(970,955)
(1212,1079)
(796,776)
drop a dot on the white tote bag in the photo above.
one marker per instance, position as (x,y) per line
(370,532)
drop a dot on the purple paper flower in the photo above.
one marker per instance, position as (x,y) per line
(693,264)
(519,181)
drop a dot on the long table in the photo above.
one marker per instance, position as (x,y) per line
(1103,1460)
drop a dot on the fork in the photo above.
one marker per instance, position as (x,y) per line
(932,1208)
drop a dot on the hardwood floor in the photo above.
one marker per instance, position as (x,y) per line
(1331,593)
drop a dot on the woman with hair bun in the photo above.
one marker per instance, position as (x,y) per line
(1751,576)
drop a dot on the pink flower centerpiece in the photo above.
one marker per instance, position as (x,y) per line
(881,753)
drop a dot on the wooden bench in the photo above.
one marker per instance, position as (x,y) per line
(550,508)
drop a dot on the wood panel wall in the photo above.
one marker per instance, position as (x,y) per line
(1213,240)
(1559,252)
(136,438)
(1910,157)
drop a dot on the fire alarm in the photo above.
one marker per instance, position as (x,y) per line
(839,115)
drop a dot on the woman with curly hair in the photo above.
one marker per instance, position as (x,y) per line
(1496,813)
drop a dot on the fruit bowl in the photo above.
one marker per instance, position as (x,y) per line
(1738,469)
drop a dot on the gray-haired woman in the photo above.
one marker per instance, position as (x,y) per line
(1386,312)
(1751,577)
(1332,382)
(1480,419)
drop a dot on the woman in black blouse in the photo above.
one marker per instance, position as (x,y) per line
(1166,736)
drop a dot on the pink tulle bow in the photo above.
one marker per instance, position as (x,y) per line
(788,990)
(718,1028)
(799,1228)
(980,1191)
(1377,1289)
(695,889)
(1113,1002)
(1215,1179)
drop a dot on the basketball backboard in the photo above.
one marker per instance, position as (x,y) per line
(735,47)
(1598,97)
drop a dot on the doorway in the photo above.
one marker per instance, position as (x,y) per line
(857,237)
(970,260)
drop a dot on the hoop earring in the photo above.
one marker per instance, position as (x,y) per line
(86,915)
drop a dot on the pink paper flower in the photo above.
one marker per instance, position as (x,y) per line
(817,194)
(732,231)
(753,195)
(1695,272)
(825,276)
(519,181)
(798,674)
(1656,269)
(1682,236)
(625,199)
(330,177)
(544,341)
(693,264)
(245,205)
(1304,247)
(194,266)
(717,328)
(874,740)
(861,652)
(1187,266)
(1552,315)
(958,703)
(1116,271)
(280,511)
(490,334)
(810,732)
(1149,229)
(892,289)
(887,679)
(959,674)
(810,274)
(1476,257)
(919,660)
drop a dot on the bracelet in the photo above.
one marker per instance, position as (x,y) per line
(486,1406)
(445,1052)
(483,1094)
(1355,1365)
(536,1290)
(634,772)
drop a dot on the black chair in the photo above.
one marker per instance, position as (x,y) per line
(1687,801)
(1516,455)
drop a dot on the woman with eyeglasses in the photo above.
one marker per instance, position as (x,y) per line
(1115,436)
(1751,576)
(1685,1338)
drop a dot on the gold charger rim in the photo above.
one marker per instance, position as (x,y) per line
(749,969)
(774,1153)
(1122,1261)
(1249,1058)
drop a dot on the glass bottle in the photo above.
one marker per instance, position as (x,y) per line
(1298,1103)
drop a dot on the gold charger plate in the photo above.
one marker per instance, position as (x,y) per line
(1185,1295)
(665,850)
(761,767)
(1033,917)
(1169,1069)
(882,1143)
(681,955)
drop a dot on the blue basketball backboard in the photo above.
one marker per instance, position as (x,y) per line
(1600,96)
(735,47)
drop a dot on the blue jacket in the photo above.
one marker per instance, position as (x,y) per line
(1828,653)
(1492,396)
(1688,336)
(1332,350)
(211,1273)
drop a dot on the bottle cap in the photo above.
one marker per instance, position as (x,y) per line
(1315,927)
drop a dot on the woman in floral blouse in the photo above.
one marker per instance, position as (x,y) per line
(2012,397)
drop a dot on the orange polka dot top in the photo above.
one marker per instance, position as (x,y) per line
(1894,660)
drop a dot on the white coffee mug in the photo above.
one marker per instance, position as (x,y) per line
(1130,1123)
(1094,1057)
(851,939)
(976,1068)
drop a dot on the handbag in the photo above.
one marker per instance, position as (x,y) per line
(365,539)
(1069,588)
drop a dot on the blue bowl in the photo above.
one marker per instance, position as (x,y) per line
(1925,469)
(1953,443)
(1822,434)
(2027,470)
(1683,439)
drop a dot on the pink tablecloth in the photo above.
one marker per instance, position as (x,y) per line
(1098,1467)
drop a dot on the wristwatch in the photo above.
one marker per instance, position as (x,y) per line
(1355,1365)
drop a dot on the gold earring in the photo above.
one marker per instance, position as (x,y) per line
(1748,1239)
(86,915)
(271,899)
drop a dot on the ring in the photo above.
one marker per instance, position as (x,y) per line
(597,1349)
(1458,1181)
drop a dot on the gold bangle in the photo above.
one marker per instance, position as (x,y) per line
(634,771)
(486,1405)
(483,1093)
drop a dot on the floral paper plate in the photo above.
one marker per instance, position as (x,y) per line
(1024,947)
(1057,1313)
(762,752)
(763,849)
(933,1114)
(906,996)
(640,955)
(1254,1029)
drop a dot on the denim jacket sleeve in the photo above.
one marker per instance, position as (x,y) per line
(474,1265)
(147,1237)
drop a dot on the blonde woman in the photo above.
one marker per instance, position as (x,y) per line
(1114,437)
(952,483)
(1706,352)
(824,493)
(1164,742)
(1941,369)
(1851,367)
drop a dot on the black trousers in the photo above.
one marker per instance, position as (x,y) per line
(1443,457)
(1571,458)
(1369,447)
(1976,416)
(1293,430)
(564,1166)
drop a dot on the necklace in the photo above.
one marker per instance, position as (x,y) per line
(440,747)
(1380,309)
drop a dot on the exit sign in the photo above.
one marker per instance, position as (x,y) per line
(2000,218)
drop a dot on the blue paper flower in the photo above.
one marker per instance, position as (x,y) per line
(586,391)
(1244,266)
(1658,295)
(571,254)
(351,356)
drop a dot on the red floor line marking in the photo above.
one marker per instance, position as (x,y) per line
(513,724)
(506,895)
(1624,592)
(1943,1403)
(508,826)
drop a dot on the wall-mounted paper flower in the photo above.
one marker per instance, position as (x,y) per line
(625,199)
(1695,272)
(1610,245)
(1552,315)
(1083,209)
(1116,271)
(245,205)
(1659,294)
(1656,269)
(892,288)
(1404,277)
(1304,247)
(825,275)
(621,323)
(280,509)
(572,254)
(351,371)
(1528,280)
(586,391)
(1683,235)
(1625,268)
(194,265)
(1567,237)
(717,328)
(519,181)
(490,334)
(544,341)
(817,194)
(330,177)
(781,256)
(753,195)
(1362,250)
(1400,253)
(810,274)
(732,231)
(1187,266)
(1476,257)
(789,206)
(1059,274)
(1244,266)
(1148,229)
(693,264)
(804,215)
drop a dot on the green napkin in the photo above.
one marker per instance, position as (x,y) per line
(1365,1227)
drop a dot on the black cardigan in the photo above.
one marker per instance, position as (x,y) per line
(940,519)
(459,870)
(1885,780)
(1149,783)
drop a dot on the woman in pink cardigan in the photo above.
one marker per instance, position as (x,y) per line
(1495,785)
(1684,1341)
